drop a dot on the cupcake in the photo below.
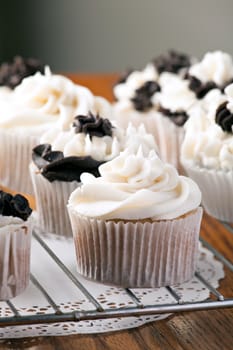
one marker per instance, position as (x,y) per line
(15,244)
(207,153)
(40,102)
(62,157)
(137,225)
(161,103)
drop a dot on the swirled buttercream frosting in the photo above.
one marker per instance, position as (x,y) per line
(135,83)
(175,98)
(135,187)
(214,71)
(208,138)
(45,100)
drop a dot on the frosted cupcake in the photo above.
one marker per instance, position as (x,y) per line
(40,102)
(137,225)
(207,153)
(60,160)
(161,103)
(15,244)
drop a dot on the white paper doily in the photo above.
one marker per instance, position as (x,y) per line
(68,297)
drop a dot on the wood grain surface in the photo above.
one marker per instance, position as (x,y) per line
(199,330)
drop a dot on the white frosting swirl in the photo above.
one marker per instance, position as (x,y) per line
(175,94)
(135,187)
(136,79)
(10,220)
(100,148)
(41,101)
(205,143)
(215,66)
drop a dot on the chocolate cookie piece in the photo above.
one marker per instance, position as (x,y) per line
(16,206)
(142,98)
(224,118)
(54,166)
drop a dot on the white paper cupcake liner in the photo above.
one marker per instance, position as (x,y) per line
(217,191)
(51,203)
(15,246)
(15,157)
(168,136)
(137,254)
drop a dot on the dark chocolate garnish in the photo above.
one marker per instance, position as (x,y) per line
(92,125)
(179,117)
(142,98)
(16,206)
(11,74)
(54,166)
(172,61)
(199,88)
(224,118)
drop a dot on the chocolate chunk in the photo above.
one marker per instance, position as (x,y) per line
(54,166)
(200,89)
(224,118)
(70,168)
(11,74)
(39,153)
(179,118)
(172,61)
(16,206)
(92,125)
(142,98)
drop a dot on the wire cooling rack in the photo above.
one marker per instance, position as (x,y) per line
(218,300)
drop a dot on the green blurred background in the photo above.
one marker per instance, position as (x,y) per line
(106,35)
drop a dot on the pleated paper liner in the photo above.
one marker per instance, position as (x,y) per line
(217,190)
(137,254)
(15,157)
(15,248)
(51,203)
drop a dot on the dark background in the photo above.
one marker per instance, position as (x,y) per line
(107,35)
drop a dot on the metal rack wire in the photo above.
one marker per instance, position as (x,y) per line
(218,301)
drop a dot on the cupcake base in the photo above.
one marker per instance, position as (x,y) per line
(51,200)
(137,254)
(217,191)
(15,157)
(15,246)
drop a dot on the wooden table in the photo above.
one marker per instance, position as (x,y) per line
(201,330)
